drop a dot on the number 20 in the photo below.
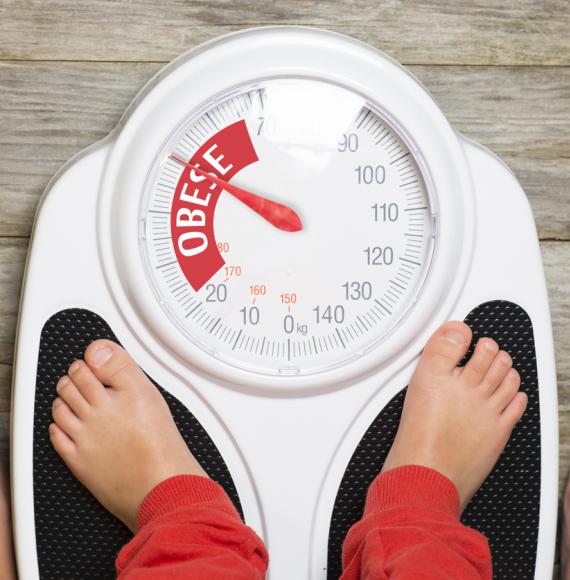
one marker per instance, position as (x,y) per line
(377,256)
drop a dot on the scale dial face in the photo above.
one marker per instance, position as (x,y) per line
(286,227)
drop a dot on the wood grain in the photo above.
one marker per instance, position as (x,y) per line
(53,110)
(556,257)
(13,252)
(5,393)
(420,32)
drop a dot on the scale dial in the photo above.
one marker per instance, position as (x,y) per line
(321,251)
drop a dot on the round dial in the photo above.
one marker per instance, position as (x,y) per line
(286,227)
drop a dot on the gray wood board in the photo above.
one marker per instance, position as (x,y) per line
(53,110)
(426,32)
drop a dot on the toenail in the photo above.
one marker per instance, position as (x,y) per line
(455,337)
(490,345)
(62,382)
(101,355)
(74,366)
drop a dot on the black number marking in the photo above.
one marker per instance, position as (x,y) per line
(250,315)
(329,313)
(377,256)
(369,174)
(216,292)
(357,290)
(348,142)
(386,212)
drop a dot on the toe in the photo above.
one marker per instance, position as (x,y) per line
(113,366)
(446,347)
(480,362)
(515,409)
(87,383)
(69,393)
(497,371)
(65,418)
(63,445)
(506,391)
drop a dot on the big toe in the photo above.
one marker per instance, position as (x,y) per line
(446,347)
(112,365)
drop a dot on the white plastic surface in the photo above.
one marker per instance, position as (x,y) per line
(286,452)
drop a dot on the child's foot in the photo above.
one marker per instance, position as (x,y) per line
(457,420)
(119,441)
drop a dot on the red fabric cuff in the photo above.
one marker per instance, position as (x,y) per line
(413,486)
(178,492)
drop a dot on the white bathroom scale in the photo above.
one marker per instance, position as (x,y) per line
(274,229)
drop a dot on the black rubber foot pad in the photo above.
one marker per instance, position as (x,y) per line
(76,537)
(506,508)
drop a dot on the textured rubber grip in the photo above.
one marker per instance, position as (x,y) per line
(76,537)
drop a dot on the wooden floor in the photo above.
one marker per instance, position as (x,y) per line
(501,74)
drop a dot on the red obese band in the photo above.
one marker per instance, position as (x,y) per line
(195,199)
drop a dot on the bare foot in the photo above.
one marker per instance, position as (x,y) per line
(457,420)
(119,441)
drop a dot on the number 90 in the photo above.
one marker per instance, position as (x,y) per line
(348,142)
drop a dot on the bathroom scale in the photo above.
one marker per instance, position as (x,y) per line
(280,220)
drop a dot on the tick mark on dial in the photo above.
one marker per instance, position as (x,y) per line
(340,338)
(236,340)
(410,261)
(215,324)
(398,158)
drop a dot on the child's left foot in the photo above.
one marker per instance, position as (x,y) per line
(119,441)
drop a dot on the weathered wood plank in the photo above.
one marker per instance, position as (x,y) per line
(4,438)
(52,110)
(425,32)
(556,258)
(13,252)
(49,112)
(521,114)
(5,389)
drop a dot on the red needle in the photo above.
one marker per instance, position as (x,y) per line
(277,214)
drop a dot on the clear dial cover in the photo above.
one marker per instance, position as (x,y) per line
(286,227)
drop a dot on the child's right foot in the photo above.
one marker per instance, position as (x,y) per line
(457,420)
(119,441)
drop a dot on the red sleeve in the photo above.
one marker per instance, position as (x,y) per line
(410,530)
(188,528)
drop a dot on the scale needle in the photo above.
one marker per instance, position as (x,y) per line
(277,214)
